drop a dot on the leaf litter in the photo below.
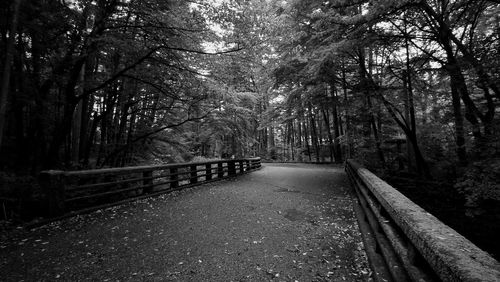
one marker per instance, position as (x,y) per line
(323,245)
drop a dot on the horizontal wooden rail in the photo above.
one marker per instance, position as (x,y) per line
(73,190)
(412,244)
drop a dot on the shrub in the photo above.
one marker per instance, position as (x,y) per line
(480,183)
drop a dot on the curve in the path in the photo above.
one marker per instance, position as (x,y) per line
(281,223)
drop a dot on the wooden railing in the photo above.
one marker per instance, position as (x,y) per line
(410,244)
(74,190)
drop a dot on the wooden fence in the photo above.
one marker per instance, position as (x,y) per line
(409,244)
(74,190)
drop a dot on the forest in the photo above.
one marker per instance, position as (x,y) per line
(410,88)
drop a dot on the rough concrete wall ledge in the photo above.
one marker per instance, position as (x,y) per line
(452,256)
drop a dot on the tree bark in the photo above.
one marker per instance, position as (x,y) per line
(459,125)
(349,147)
(63,128)
(472,113)
(329,134)
(314,134)
(306,140)
(336,126)
(9,50)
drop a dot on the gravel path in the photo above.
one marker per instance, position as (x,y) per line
(281,223)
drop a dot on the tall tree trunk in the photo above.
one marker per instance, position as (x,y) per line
(376,135)
(292,139)
(88,106)
(63,128)
(18,106)
(130,134)
(103,134)
(90,139)
(264,148)
(412,163)
(348,133)
(372,120)
(472,113)
(306,140)
(299,132)
(320,136)
(77,121)
(60,134)
(336,125)
(409,105)
(271,143)
(9,50)
(329,133)
(459,125)
(314,134)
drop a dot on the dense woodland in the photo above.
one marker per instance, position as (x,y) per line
(407,87)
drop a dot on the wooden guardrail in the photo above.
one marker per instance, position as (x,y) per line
(73,190)
(411,244)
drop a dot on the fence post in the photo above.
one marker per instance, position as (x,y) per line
(220,170)
(194,174)
(242,169)
(174,178)
(208,172)
(52,184)
(147,181)
(231,167)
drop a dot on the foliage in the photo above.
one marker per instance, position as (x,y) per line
(117,82)
(480,183)
(406,86)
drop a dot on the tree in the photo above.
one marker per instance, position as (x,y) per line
(7,65)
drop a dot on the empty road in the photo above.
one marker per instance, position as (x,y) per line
(285,222)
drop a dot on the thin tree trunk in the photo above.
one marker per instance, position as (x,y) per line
(472,113)
(376,136)
(347,117)
(459,125)
(292,139)
(299,132)
(329,133)
(306,134)
(63,128)
(314,135)
(77,122)
(9,50)
(371,116)
(409,149)
(90,139)
(336,126)
(320,137)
